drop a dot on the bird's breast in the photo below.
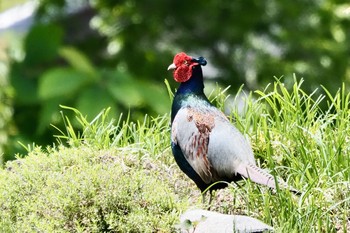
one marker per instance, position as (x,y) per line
(210,143)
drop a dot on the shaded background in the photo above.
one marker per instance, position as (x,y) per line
(94,54)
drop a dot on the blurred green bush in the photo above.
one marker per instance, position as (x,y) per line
(95,54)
(6,110)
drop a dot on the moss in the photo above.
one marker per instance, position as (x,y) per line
(84,190)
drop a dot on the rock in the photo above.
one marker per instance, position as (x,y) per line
(203,221)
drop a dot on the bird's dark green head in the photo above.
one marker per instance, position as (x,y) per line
(183,66)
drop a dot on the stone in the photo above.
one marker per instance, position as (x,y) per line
(204,221)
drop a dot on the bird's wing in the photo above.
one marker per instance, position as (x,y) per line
(228,148)
(191,130)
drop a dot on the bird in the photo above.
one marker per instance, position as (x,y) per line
(206,146)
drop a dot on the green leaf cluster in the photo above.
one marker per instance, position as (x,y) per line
(53,73)
(115,53)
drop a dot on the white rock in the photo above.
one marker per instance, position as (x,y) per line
(203,221)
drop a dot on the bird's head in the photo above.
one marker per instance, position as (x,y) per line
(183,66)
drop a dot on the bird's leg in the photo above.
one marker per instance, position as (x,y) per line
(210,198)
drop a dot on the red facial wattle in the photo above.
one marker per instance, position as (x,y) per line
(184,65)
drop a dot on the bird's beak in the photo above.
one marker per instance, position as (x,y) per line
(172,67)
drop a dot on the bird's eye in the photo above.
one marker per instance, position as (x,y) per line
(185,63)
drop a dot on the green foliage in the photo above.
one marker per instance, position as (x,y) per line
(6,111)
(308,38)
(42,53)
(60,82)
(118,51)
(80,84)
(78,61)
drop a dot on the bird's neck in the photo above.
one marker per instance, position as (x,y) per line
(194,87)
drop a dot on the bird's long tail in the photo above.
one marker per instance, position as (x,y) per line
(260,176)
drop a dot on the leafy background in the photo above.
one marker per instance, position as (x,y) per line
(96,54)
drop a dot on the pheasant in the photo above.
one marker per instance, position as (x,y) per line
(206,146)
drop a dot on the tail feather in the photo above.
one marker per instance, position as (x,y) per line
(260,176)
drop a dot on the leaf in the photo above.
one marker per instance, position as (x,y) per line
(155,96)
(132,93)
(26,90)
(124,89)
(186,225)
(78,61)
(61,82)
(49,114)
(93,100)
(42,43)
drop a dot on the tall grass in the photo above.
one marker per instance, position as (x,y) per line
(291,134)
(308,146)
